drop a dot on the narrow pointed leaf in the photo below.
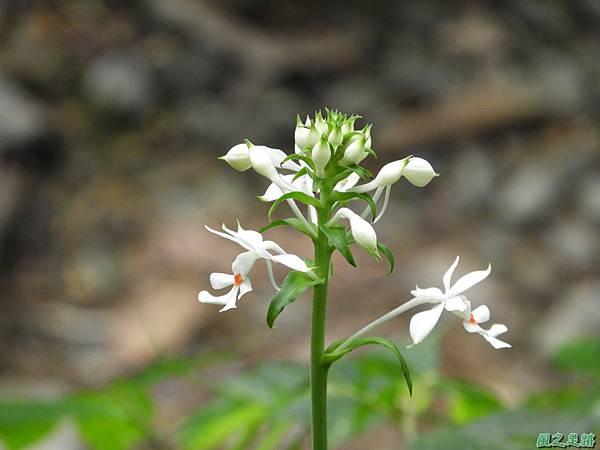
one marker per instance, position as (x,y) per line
(347,196)
(293,286)
(309,162)
(296,195)
(338,236)
(308,229)
(388,254)
(332,354)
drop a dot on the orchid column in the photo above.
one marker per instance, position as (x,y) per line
(321,177)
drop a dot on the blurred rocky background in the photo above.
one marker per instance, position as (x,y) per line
(112,114)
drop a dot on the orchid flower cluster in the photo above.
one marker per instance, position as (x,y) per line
(323,177)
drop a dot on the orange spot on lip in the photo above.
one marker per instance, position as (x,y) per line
(472,320)
(237,279)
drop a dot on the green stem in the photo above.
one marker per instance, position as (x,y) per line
(319,371)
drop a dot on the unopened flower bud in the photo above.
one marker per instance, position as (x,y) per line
(320,123)
(305,135)
(348,126)
(362,232)
(238,157)
(419,172)
(366,132)
(321,154)
(336,137)
(355,151)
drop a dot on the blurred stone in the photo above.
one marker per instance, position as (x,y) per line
(588,198)
(92,275)
(410,74)
(574,244)
(472,178)
(574,316)
(12,187)
(532,270)
(530,195)
(560,81)
(119,83)
(22,119)
(545,18)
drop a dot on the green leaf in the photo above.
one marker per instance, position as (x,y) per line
(309,162)
(24,422)
(470,402)
(308,229)
(361,171)
(332,354)
(347,196)
(338,236)
(218,423)
(388,254)
(117,418)
(580,356)
(295,195)
(293,286)
(301,172)
(274,436)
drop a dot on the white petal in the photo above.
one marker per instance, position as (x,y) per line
(481,314)
(236,237)
(243,263)
(207,297)
(272,193)
(277,156)
(227,236)
(432,293)
(254,238)
(221,280)
(419,172)
(362,232)
(496,343)
(274,246)
(468,281)
(422,323)
(262,162)
(447,278)
(497,329)
(245,287)
(231,300)
(292,261)
(371,185)
(456,304)
(347,183)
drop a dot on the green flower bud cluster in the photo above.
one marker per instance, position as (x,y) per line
(332,139)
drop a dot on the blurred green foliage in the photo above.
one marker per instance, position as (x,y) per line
(267,406)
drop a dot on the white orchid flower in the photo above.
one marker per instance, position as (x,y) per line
(253,241)
(387,176)
(238,280)
(481,314)
(421,324)
(362,232)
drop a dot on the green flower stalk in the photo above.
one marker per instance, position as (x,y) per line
(323,176)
